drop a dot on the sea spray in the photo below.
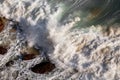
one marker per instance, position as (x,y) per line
(86,53)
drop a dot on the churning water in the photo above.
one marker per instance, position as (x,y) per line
(81,36)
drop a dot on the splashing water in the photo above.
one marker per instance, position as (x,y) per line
(83,54)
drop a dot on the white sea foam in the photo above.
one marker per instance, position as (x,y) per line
(84,54)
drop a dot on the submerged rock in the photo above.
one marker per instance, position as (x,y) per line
(43,67)
(28,53)
(3,22)
(3,50)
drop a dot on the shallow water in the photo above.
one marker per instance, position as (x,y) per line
(91,12)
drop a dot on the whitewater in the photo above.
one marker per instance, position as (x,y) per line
(81,38)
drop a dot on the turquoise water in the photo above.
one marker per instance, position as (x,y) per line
(91,12)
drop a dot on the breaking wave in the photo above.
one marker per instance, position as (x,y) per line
(91,52)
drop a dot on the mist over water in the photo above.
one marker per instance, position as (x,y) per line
(71,33)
